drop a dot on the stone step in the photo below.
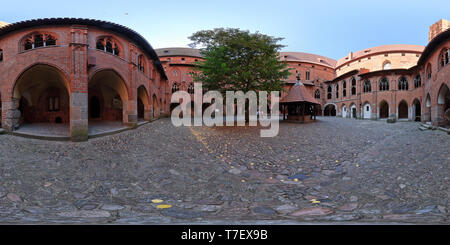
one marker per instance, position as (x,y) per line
(423,128)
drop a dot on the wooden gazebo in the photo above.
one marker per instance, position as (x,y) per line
(299,104)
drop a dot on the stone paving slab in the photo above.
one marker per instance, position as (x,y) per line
(332,171)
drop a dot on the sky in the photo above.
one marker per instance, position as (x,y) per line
(326,27)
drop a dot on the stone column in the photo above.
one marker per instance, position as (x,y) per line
(79,116)
(12,114)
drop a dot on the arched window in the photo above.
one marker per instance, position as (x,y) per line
(386,65)
(175,87)
(337,91)
(109,45)
(1,54)
(141,63)
(344,88)
(317,94)
(191,88)
(353,86)
(384,84)
(417,81)
(402,83)
(329,90)
(367,87)
(429,71)
(444,57)
(37,40)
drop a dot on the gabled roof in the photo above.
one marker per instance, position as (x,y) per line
(125,31)
(299,93)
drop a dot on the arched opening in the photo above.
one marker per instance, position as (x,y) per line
(384,109)
(43,95)
(330,110)
(417,110)
(344,111)
(107,95)
(353,111)
(143,103)
(427,112)
(403,110)
(367,111)
(443,106)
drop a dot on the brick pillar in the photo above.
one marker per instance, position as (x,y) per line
(148,114)
(130,115)
(79,84)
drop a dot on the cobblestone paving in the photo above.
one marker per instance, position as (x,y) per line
(335,170)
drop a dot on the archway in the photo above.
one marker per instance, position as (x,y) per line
(443,106)
(384,109)
(107,100)
(43,96)
(143,104)
(427,112)
(417,110)
(403,110)
(367,111)
(330,110)
(353,111)
(344,111)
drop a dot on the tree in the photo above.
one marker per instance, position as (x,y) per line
(236,60)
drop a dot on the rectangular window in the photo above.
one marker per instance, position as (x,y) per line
(307,75)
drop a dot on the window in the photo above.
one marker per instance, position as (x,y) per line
(1,54)
(429,71)
(402,83)
(317,94)
(387,65)
(38,40)
(109,45)
(344,88)
(384,84)
(367,87)
(337,91)
(53,104)
(182,59)
(141,63)
(444,57)
(417,81)
(307,75)
(191,88)
(175,88)
(353,86)
(329,90)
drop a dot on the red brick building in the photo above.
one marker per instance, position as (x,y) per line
(389,81)
(78,70)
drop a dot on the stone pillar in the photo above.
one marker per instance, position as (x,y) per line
(130,116)
(79,116)
(12,114)
(148,114)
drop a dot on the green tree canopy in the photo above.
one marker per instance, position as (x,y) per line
(236,60)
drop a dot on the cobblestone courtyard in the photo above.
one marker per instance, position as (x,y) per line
(335,170)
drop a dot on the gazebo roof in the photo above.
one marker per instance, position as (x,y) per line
(299,93)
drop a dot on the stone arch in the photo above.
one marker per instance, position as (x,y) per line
(403,110)
(143,103)
(416,110)
(107,96)
(41,94)
(384,110)
(330,110)
(30,40)
(443,106)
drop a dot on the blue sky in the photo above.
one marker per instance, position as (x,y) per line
(329,28)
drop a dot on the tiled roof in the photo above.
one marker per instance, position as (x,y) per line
(190,52)
(306,57)
(299,93)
